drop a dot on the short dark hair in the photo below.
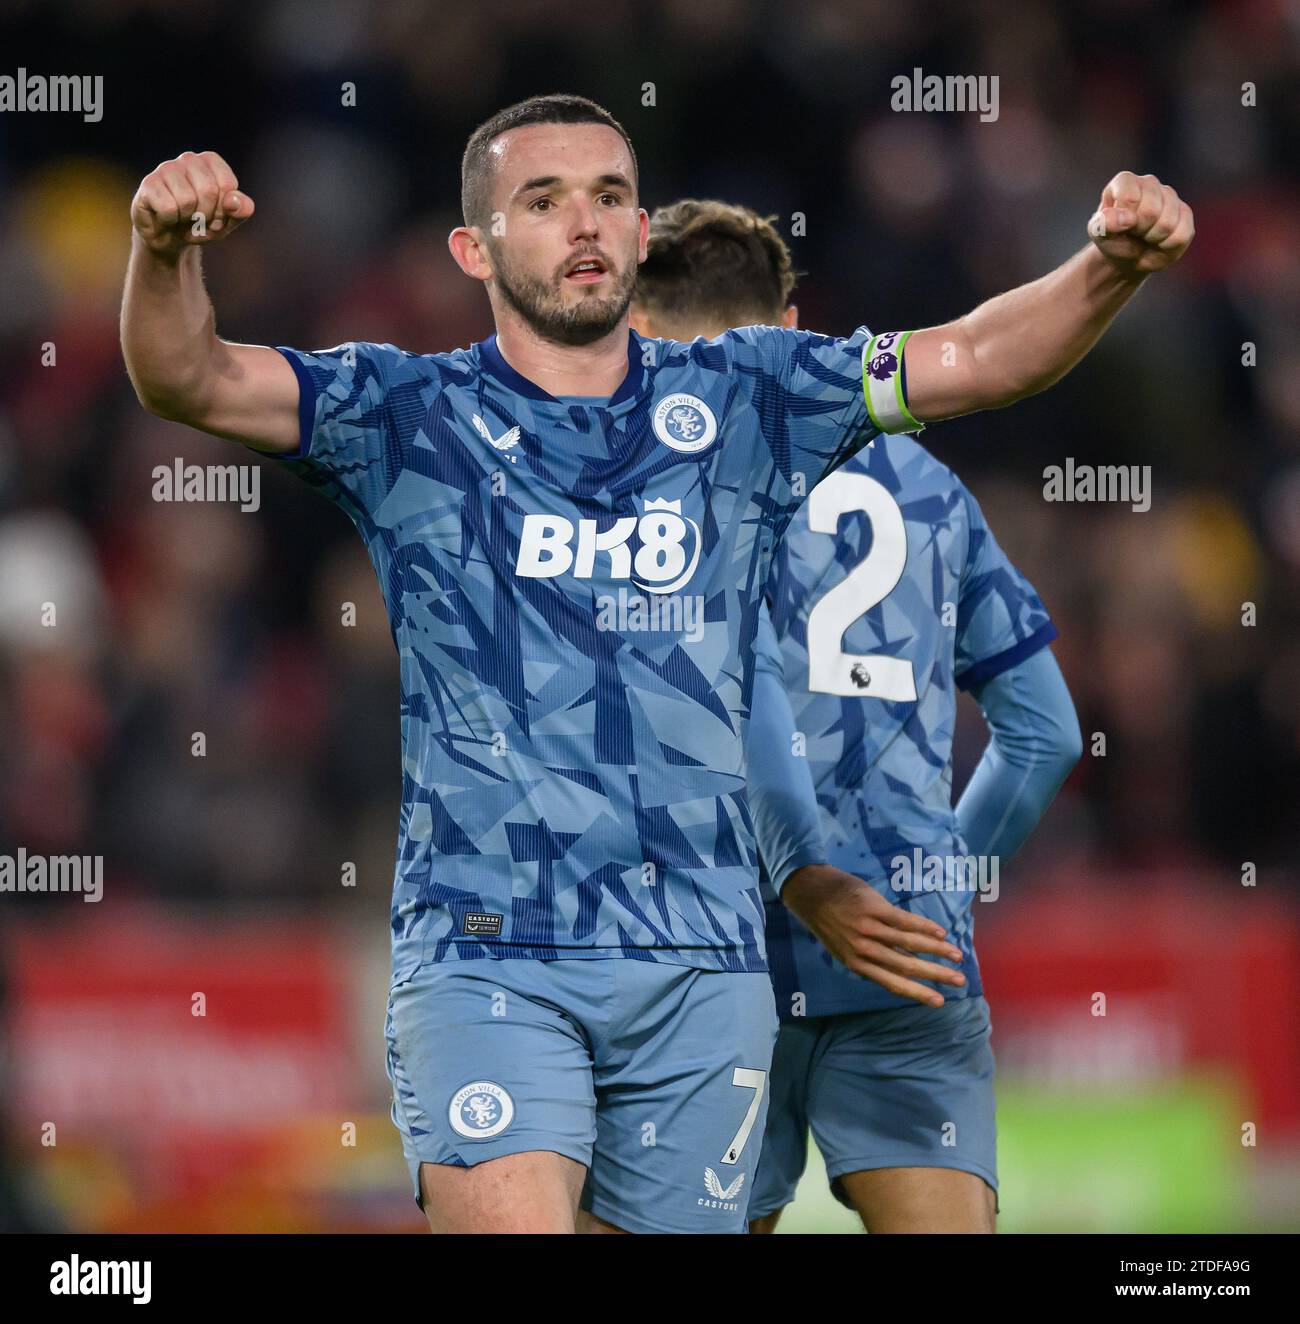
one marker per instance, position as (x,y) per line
(555,108)
(714,261)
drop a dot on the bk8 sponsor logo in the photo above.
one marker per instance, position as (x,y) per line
(667,548)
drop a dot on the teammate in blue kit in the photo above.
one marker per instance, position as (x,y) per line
(580,990)
(888,593)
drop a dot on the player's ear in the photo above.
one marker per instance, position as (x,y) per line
(790,318)
(470,252)
(643,220)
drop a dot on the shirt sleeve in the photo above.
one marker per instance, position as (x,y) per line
(1000,618)
(782,798)
(347,445)
(808,392)
(1035,741)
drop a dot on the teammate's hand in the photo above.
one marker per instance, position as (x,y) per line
(1141,225)
(191,200)
(869,934)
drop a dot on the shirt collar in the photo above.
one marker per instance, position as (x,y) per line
(633,385)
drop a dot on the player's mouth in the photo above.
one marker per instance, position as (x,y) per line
(586,271)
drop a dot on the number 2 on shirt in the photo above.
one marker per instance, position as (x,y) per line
(830,669)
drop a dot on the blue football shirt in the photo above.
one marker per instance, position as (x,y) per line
(574,587)
(888,594)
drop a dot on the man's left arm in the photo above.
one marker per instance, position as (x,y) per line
(1021,342)
(1034,743)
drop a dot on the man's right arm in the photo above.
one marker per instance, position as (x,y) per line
(179,367)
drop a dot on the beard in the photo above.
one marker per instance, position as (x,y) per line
(540,304)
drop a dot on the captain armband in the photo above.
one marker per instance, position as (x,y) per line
(884,383)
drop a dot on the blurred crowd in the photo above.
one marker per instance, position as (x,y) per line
(174,619)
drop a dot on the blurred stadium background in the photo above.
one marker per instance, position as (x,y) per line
(224,874)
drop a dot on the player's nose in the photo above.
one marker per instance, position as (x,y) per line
(585,223)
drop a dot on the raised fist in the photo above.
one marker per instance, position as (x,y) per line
(191,200)
(1142,225)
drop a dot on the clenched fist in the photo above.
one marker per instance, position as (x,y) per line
(191,200)
(1142,225)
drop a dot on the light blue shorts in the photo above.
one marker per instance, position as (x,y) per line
(653,1076)
(906,1088)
